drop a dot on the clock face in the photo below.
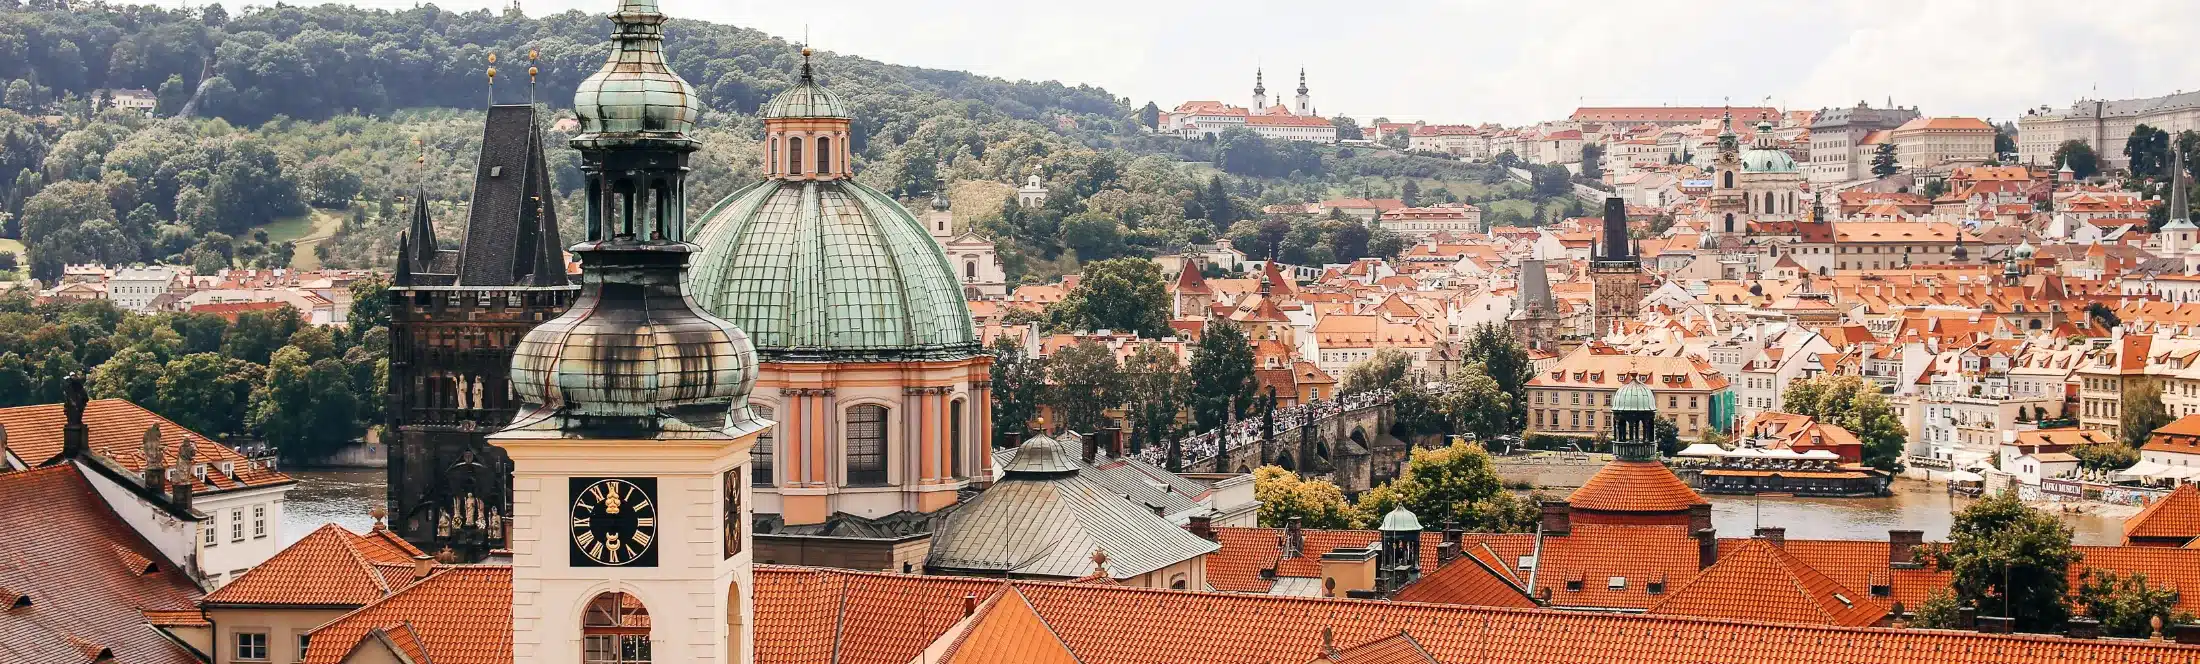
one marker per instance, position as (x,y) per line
(614,522)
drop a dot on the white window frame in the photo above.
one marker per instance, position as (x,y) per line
(243,648)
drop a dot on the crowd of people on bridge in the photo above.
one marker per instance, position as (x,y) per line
(1202,446)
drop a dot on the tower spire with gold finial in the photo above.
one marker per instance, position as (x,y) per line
(532,71)
(492,78)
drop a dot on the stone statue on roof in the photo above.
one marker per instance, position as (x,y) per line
(74,398)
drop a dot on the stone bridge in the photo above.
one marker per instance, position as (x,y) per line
(1345,440)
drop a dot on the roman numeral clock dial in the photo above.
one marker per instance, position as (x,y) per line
(614,522)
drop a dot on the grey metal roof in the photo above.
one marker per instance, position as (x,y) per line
(829,270)
(1040,456)
(1144,483)
(511,226)
(807,99)
(1049,527)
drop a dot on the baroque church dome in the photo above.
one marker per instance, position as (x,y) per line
(1763,157)
(815,266)
(634,92)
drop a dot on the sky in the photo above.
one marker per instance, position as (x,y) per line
(1511,61)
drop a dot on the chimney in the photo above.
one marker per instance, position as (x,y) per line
(422,564)
(2184,634)
(1203,526)
(2082,627)
(156,463)
(1557,517)
(1445,553)
(1699,517)
(1348,570)
(1902,548)
(1777,536)
(1294,542)
(1967,617)
(76,439)
(1114,439)
(1995,624)
(179,493)
(1454,537)
(1091,442)
(1707,547)
(970,604)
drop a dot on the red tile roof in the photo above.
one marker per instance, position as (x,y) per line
(1008,631)
(61,553)
(458,615)
(1478,579)
(1399,648)
(1635,486)
(1760,581)
(117,431)
(2174,517)
(1576,570)
(329,567)
(1246,552)
(840,617)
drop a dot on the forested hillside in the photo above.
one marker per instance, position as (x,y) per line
(273,112)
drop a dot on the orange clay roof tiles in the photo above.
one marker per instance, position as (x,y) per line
(1760,581)
(463,615)
(330,566)
(1007,631)
(2176,515)
(1595,554)
(1236,567)
(69,593)
(822,616)
(1634,486)
(117,431)
(1475,580)
(1394,649)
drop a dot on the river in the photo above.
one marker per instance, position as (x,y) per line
(345,497)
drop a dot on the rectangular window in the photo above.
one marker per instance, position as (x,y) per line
(760,457)
(259,521)
(252,646)
(867,445)
(302,637)
(212,525)
(236,525)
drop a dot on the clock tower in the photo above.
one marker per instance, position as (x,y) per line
(630,449)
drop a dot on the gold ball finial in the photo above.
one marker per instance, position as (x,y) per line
(492,73)
(531,72)
(805,51)
(532,54)
(492,58)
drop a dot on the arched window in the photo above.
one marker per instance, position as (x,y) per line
(760,458)
(1768,201)
(794,156)
(866,445)
(773,165)
(1730,179)
(1729,222)
(955,438)
(615,630)
(970,270)
(824,155)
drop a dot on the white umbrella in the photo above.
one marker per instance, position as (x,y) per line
(1965,476)
(1821,455)
(1704,450)
(2140,470)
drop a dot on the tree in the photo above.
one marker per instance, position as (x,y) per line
(8,262)
(132,374)
(1399,139)
(1222,376)
(1083,382)
(1592,162)
(1154,383)
(370,306)
(2105,457)
(1456,484)
(1019,381)
(2143,412)
(1348,129)
(207,392)
(2009,560)
(1315,503)
(1123,294)
(1855,404)
(2103,315)
(1938,611)
(2126,605)
(1505,361)
(1884,163)
(2078,155)
(1410,193)
(2148,149)
(1668,436)
(61,206)
(1387,369)
(171,96)
(256,335)
(1506,159)
(1093,236)
(306,408)
(1150,116)
(1476,405)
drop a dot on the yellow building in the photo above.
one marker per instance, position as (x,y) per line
(1573,397)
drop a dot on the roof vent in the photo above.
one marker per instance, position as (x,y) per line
(1616,583)
(1573,586)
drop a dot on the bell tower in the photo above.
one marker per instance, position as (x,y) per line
(1615,272)
(1729,209)
(630,450)
(1260,91)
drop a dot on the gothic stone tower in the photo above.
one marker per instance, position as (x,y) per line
(1616,272)
(454,317)
(630,454)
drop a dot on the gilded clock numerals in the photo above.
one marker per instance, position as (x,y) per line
(614,522)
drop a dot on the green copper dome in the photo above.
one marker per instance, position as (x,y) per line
(1400,520)
(635,95)
(1767,161)
(807,99)
(1634,396)
(829,270)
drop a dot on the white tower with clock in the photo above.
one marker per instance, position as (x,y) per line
(630,454)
